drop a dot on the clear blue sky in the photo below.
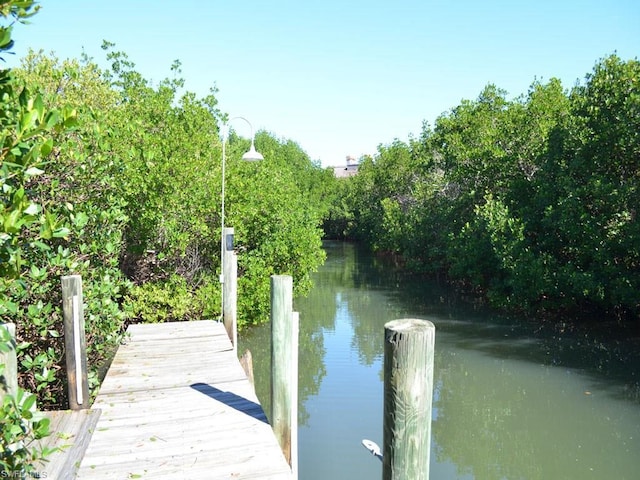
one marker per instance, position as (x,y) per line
(342,77)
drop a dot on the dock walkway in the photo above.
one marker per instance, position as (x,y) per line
(176,404)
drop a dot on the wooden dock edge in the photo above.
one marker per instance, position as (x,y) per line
(71,431)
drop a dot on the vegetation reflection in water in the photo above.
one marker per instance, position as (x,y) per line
(513,400)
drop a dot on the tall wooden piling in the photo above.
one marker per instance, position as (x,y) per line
(295,338)
(230,287)
(75,342)
(9,375)
(281,360)
(408,391)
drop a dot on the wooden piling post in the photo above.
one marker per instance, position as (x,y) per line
(281,360)
(9,376)
(230,287)
(75,342)
(408,391)
(295,339)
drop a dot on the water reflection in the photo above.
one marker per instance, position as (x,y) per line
(500,418)
(510,400)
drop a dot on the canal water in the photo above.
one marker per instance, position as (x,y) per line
(512,399)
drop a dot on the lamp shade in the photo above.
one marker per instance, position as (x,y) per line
(252,155)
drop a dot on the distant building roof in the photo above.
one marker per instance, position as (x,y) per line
(348,170)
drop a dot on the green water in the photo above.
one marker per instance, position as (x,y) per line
(510,402)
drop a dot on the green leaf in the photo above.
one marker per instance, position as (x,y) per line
(12,222)
(41,428)
(33,171)
(10,307)
(41,246)
(61,232)
(80,219)
(38,106)
(32,209)
(45,231)
(29,403)
(52,119)
(46,147)
(5,38)
(70,117)
(28,121)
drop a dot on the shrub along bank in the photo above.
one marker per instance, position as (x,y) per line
(111,177)
(531,202)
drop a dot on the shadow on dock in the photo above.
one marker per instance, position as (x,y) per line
(232,400)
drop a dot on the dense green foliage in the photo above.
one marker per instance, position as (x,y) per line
(533,202)
(25,142)
(22,426)
(111,177)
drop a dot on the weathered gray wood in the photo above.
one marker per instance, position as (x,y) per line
(408,391)
(176,404)
(9,377)
(71,433)
(230,286)
(75,342)
(246,361)
(281,360)
(295,334)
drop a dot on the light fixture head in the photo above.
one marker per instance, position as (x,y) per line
(252,155)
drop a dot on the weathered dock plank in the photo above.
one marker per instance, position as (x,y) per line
(177,404)
(72,430)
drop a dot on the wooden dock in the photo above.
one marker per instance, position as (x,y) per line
(176,404)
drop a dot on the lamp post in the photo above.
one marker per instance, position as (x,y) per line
(226,241)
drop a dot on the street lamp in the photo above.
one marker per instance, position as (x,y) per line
(251,155)
(226,244)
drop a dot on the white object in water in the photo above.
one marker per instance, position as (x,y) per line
(372,447)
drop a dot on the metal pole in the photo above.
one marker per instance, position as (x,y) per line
(251,155)
(225,134)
